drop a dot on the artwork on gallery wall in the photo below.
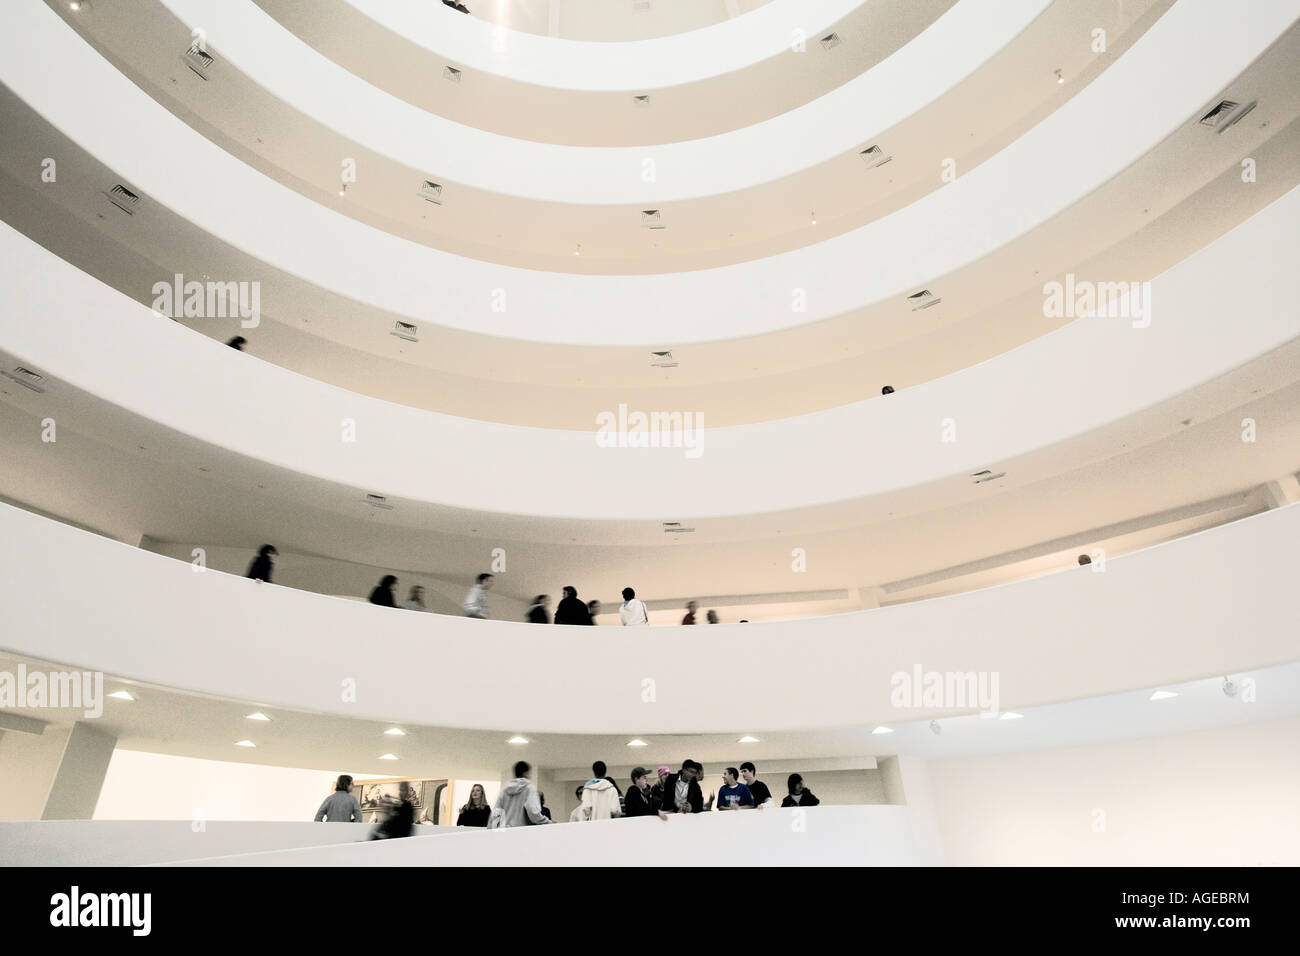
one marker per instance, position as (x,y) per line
(379,798)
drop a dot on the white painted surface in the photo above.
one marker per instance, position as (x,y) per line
(952,48)
(75,329)
(49,67)
(817,836)
(1224,797)
(1218,602)
(142,842)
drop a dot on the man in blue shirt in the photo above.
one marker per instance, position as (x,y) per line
(734,794)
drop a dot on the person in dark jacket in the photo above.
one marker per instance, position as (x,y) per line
(383,592)
(593,610)
(537,614)
(638,802)
(476,811)
(570,610)
(400,821)
(541,799)
(262,565)
(799,796)
(691,798)
(238,343)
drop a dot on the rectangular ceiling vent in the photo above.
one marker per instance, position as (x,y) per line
(831,40)
(1226,115)
(405,330)
(640,6)
(27,378)
(123,199)
(874,156)
(675,527)
(986,475)
(662,360)
(641,99)
(923,300)
(431,191)
(451,73)
(651,219)
(378,501)
(197,60)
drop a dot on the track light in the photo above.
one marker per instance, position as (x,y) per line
(1059,78)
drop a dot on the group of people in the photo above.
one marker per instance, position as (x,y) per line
(521,804)
(632,612)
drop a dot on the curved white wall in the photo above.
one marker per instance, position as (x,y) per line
(1086,375)
(845,118)
(1218,602)
(1053,166)
(636,66)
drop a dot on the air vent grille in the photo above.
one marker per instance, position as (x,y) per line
(874,156)
(1226,115)
(662,360)
(651,219)
(675,527)
(431,191)
(378,501)
(123,199)
(986,475)
(27,378)
(197,60)
(923,300)
(831,40)
(641,99)
(405,330)
(451,73)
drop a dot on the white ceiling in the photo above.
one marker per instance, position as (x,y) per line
(166,721)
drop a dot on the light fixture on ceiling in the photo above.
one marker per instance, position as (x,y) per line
(747,739)
(517,740)
(813,216)
(1229,688)
(883,730)
(388,756)
(121,695)
(1059,78)
(244,743)
(395,732)
(577,250)
(257,716)
(343,189)
(1011,715)
(935,728)
(637,743)
(1162,695)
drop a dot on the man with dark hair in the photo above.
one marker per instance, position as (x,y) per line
(476,600)
(733,794)
(681,791)
(632,612)
(749,774)
(600,772)
(517,804)
(340,806)
(690,613)
(262,566)
(570,610)
(799,795)
(639,802)
(238,343)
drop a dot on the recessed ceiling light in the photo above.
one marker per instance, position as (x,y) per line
(747,740)
(244,743)
(517,740)
(388,756)
(637,743)
(1162,695)
(395,732)
(257,716)
(883,730)
(1059,78)
(122,695)
(1011,715)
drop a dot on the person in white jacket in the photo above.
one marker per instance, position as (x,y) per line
(517,804)
(633,612)
(599,801)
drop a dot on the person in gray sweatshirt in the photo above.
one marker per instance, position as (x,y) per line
(340,806)
(517,804)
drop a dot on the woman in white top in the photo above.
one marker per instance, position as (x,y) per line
(632,612)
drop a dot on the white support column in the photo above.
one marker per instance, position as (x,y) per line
(80,776)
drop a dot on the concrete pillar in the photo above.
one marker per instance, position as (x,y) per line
(80,776)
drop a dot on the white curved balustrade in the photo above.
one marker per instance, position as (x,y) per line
(937,60)
(1086,375)
(1002,199)
(1219,602)
(639,65)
